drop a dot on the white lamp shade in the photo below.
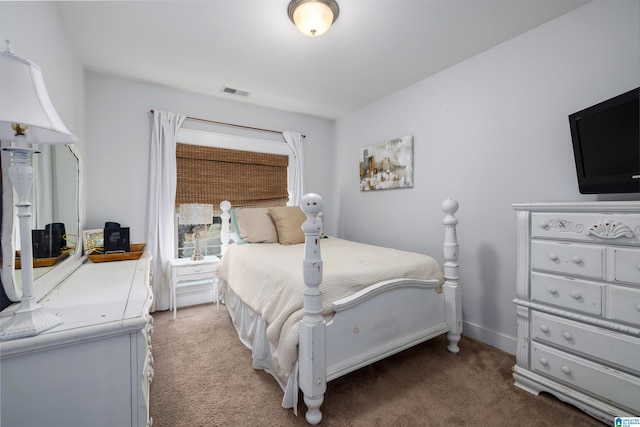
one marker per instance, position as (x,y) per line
(25,101)
(196,214)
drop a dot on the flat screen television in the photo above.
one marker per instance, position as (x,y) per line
(606,145)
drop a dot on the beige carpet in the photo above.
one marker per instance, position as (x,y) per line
(203,377)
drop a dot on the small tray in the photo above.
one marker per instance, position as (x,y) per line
(137,249)
(41,262)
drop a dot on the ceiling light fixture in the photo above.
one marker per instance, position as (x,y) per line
(313,17)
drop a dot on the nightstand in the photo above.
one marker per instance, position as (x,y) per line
(185,272)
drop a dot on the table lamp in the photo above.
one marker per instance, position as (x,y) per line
(27,117)
(198,215)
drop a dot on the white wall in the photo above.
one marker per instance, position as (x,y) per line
(37,34)
(489,132)
(119,134)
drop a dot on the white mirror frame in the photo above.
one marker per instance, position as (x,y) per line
(44,284)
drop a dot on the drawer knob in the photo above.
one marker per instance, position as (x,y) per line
(638,307)
(566,370)
(543,361)
(575,295)
(567,335)
(544,328)
(552,291)
(543,224)
(553,257)
(576,260)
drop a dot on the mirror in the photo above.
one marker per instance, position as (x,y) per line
(55,195)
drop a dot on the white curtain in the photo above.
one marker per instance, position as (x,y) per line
(42,192)
(294,141)
(162,195)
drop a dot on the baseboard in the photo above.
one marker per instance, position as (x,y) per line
(492,338)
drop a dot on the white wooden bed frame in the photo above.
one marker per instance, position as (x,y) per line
(374,323)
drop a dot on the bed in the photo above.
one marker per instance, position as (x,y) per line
(307,324)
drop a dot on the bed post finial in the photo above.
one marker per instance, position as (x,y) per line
(311,363)
(452,290)
(312,204)
(225,206)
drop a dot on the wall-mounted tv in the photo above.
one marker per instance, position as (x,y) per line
(606,145)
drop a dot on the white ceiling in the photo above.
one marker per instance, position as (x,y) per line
(375,48)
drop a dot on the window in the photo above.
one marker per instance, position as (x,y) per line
(213,167)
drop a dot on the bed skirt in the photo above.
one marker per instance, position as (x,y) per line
(252,330)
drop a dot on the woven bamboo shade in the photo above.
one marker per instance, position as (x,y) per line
(245,178)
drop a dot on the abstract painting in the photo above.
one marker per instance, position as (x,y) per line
(387,165)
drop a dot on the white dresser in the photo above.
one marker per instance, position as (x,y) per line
(578,304)
(96,367)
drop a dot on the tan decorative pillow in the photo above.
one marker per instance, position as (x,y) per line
(289,221)
(254,225)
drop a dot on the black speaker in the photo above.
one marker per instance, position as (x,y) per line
(46,243)
(116,239)
(63,233)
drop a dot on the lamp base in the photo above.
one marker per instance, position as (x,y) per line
(197,254)
(28,320)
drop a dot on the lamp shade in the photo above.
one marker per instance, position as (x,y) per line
(196,214)
(313,17)
(25,101)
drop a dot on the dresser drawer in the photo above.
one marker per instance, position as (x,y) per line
(617,387)
(587,227)
(574,294)
(627,265)
(569,258)
(189,270)
(624,304)
(608,346)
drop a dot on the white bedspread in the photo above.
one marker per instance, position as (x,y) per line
(268,278)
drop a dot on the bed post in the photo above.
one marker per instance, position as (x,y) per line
(311,352)
(452,290)
(225,206)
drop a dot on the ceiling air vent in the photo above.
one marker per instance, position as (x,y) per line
(233,91)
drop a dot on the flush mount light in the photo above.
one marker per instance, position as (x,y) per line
(313,17)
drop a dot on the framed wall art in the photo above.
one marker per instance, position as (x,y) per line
(93,239)
(387,165)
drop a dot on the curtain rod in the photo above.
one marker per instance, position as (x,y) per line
(233,125)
